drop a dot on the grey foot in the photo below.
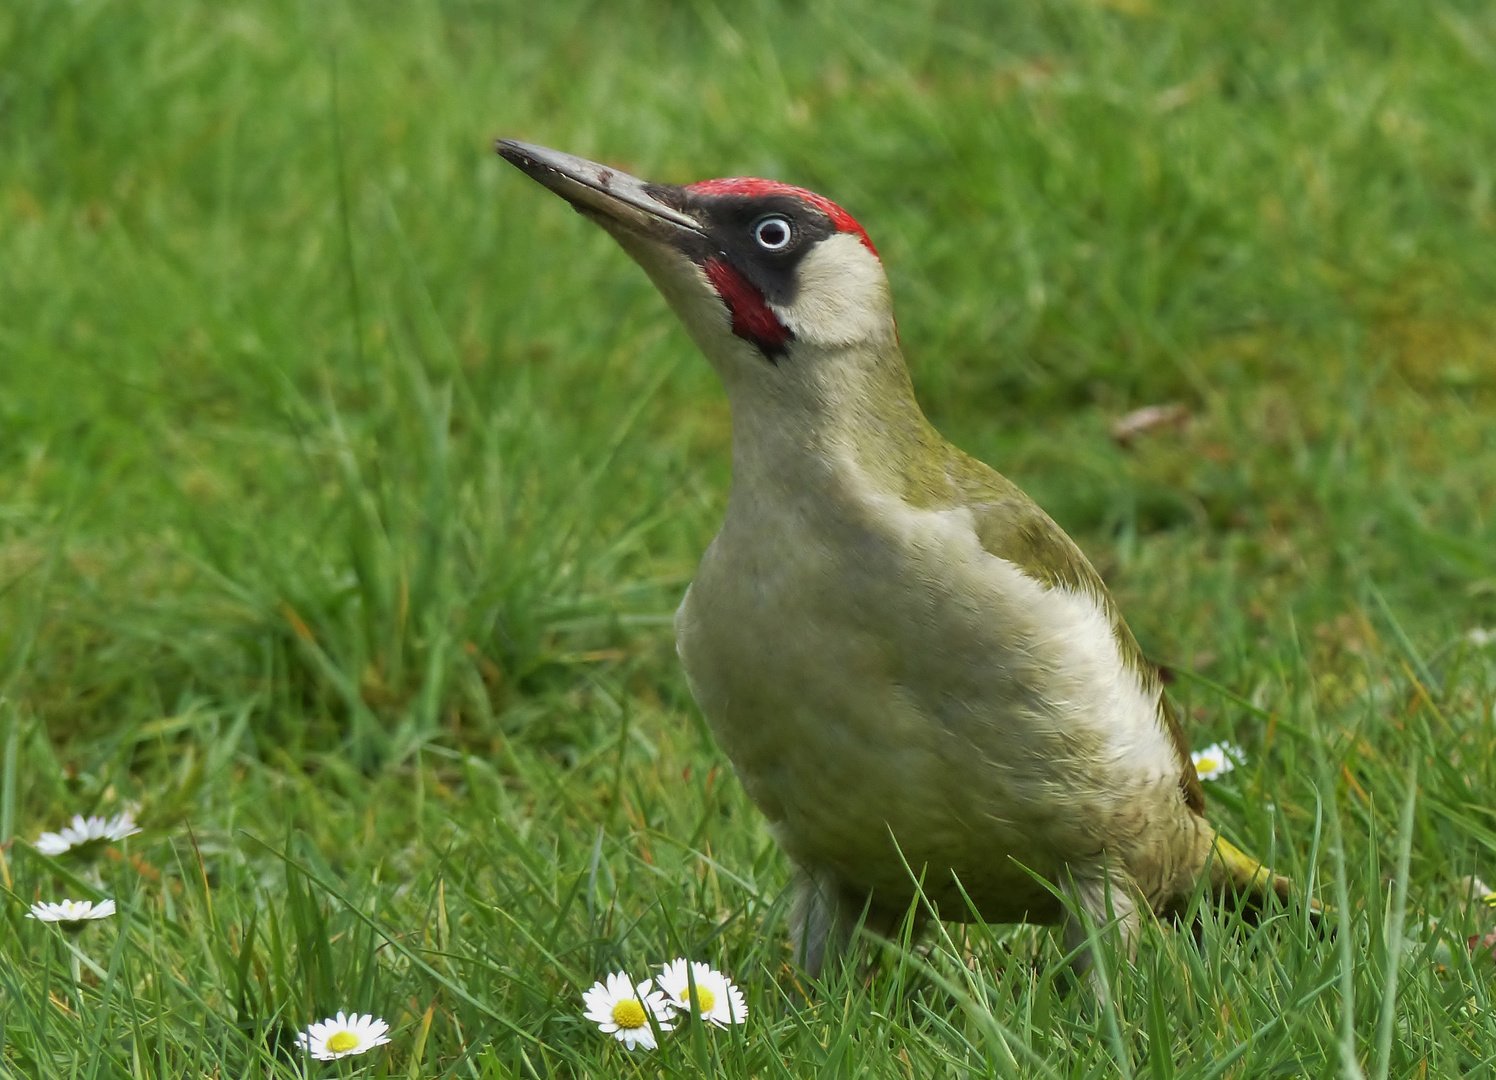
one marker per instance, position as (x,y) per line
(820,928)
(1107,901)
(826,916)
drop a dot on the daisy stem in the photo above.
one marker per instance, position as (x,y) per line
(80,959)
(75,966)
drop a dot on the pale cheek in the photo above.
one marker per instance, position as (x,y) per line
(841,295)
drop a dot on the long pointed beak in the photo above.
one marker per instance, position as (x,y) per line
(602,193)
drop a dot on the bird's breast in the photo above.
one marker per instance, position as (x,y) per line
(872,672)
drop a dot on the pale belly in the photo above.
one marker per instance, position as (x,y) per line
(886,706)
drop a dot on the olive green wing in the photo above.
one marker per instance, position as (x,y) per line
(1011,526)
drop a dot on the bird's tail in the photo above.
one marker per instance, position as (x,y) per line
(1235,873)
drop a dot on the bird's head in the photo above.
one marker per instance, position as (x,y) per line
(765,276)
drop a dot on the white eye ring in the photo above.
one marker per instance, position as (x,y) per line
(774,233)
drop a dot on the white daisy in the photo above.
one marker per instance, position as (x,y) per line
(1474,886)
(623,1010)
(717,999)
(343,1036)
(89,831)
(72,914)
(1216,760)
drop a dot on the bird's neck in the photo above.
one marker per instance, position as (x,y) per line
(828,414)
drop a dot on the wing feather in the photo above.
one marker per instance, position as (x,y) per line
(1011,526)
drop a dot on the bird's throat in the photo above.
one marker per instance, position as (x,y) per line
(826,410)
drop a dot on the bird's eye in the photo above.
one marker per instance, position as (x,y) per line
(773,233)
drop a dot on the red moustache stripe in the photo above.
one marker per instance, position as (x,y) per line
(752,319)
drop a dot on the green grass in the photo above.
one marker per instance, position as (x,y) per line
(348,482)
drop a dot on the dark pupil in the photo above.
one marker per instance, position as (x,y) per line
(772,234)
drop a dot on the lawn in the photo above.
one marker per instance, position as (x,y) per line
(349,481)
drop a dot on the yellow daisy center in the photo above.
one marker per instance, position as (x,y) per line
(628,1013)
(705,999)
(342,1041)
(1209,763)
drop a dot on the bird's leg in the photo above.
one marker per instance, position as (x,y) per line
(820,925)
(825,917)
(1103,898)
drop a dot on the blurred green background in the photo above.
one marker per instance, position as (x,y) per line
(348,481)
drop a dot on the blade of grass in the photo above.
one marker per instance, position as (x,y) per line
(1394,930)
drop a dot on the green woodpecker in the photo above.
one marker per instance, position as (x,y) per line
(915,672)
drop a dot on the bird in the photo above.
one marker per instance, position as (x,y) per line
(918,677)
